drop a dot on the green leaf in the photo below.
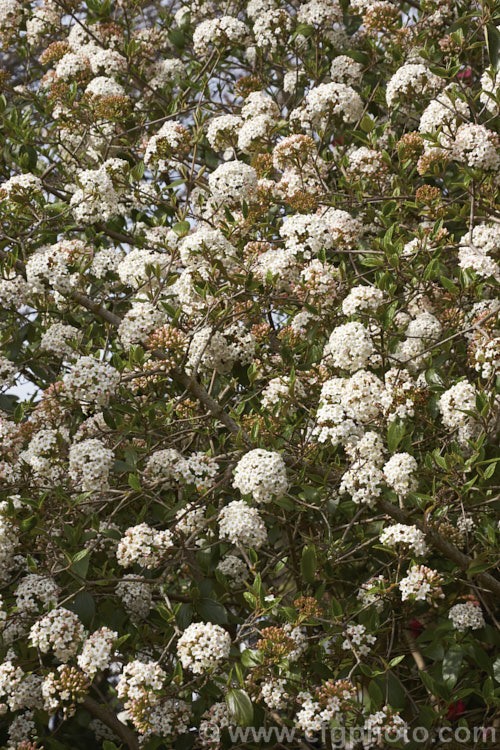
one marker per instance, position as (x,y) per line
(240,707)
(181,228)
(80,563)
(492,37)
(395,434)
(184,615)
(396,660)
(367,124)
(451,666)
(84,606)
(308,563)
(251,658)
(133,481)
(211,611)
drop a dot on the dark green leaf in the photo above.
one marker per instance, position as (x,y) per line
(240,707)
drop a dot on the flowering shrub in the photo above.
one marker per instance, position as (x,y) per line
(249,410)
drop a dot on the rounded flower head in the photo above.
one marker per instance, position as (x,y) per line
(203,646)
(262,474)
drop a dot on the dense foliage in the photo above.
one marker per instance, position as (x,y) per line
(249,320)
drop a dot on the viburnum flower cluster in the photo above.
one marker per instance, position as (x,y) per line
(249,393)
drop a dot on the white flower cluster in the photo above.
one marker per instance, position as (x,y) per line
(104,86)
(138,679)
(282,391)
(368,164)
(255,133)
(202,249)
(233,182)
(35,592)
(350,347)
(222,132)
(490,84)
(386,727)
(421,584)
(103,193)
(474,251)
(453,404)
(410,82)
(333,700)
(10,679)
(13,290)
(212,723)
(43,453)
(477,147)
(320,13)
(144,546)
(234,568)
(171,140)
(358,640)
(466,524)
(345,70)
(170,467)
(422,330)
(398,473)
(139,322)
(306,234)
(97,651)
(134,269)
(400,392)
(345,405)
(442,117)
(274,693)
(242,525)
(164,72)
(407,536)
(91,382)
(202,646)
(189,520)
(362,481)
(346,229)
(8,372)
(57,338)
(225,31)
(466,615)
(363,299)
(135,595)
(89,464)
(9,541)
(262,474)
(21,186)
(371,592)
(59,631)
(487,357)
(213,350)
(271,28)
(328,101)
(167,719)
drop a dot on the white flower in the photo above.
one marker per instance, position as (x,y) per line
(60,631)
(350,347)
(466,615)
(143,545)
(96,652)
(407,536)
(398,473)
(90,463)
(242,525)
(262,474)
(202,647)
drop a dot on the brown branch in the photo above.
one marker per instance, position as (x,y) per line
(460,559)
(111,720)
